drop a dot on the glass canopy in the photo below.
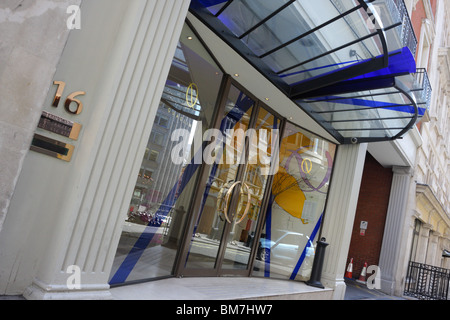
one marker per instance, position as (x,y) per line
(348,63)
(383,108)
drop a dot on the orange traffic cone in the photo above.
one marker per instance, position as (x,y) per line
(349,273)
(362,277)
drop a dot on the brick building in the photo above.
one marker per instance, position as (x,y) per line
(373,202)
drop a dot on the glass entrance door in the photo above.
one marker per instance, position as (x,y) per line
(231,201)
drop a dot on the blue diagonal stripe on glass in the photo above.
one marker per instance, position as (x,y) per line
(268,237)
(401,62)
(146,237)
(205,3)
(375,104)
(242,105)
(308,244)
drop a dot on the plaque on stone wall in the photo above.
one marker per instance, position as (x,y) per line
(59,125)
(52,148)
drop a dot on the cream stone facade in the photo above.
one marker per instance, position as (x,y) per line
(432,173)
(428,224)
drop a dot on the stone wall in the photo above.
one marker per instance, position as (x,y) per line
(33,36)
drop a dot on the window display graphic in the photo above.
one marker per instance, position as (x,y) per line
(298,198)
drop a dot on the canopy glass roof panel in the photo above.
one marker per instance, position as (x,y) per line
(371,115)
(314,50)
(296,41)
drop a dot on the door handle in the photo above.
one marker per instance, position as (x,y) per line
(220,198)
(227,198)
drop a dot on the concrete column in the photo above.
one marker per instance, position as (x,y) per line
(71,214)
(392,253)
(340,214)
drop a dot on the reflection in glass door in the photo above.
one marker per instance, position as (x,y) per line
(231,204)
(259,167)
(223,172)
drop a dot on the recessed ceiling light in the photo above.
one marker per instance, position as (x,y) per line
(190,38)
(267,99)
(236,74)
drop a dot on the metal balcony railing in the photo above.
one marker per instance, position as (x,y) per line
(394,15)
(407,31)
(424,89)
(426,282)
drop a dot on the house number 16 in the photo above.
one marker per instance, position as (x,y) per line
(69,99)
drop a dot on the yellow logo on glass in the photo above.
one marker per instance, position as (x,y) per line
(192,95)
(307,165)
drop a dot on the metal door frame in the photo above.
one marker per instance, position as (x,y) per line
(180,270)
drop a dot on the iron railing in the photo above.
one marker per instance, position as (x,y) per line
(423,89)
(426,282)
(407,31)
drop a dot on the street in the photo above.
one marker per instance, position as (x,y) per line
(359,291)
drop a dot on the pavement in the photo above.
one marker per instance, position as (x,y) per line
(359,291)
(11,297)
(354,291)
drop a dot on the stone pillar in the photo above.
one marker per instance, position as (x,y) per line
(439,260)
(392,253)
(433,247)
(340,214)
(69,216)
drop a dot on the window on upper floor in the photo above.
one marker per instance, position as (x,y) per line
(424,47)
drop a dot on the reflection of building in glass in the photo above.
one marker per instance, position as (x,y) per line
(159,174)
